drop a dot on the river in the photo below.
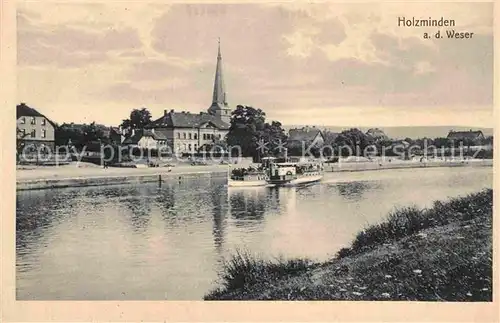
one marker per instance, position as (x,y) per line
(145,242)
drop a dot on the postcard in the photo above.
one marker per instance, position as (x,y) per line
(322,158)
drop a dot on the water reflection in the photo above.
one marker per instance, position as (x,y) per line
(143,241)
(247,204)
(139,207)
(165,199)
(356,190)
(40,210)
(220,208)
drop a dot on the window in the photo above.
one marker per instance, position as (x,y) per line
(190,136)
(23,120)
(179,135)
(44,133)
(33,120)
(195,136)
(204,136)
(189,147)
(220,136)
(44,122)
(195,146)
(184,135)
(33,133)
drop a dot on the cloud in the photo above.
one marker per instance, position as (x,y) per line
(281,57)
(152,70)
(67,46)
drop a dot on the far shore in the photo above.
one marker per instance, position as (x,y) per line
(84,174)
(92,175)
(397,163)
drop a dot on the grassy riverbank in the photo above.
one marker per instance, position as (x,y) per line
(443,253)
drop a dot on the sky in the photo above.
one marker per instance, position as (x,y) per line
(318,64)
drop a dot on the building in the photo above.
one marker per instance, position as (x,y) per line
(306,135)
(187,132)
(469,137)
(146,139)
(34,129)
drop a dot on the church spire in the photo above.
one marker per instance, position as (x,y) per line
(219,96)
(219,105)
(218,52)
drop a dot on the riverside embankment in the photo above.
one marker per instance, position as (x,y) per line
(73,176)
(442,253)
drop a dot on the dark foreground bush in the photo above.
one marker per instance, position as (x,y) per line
(410,220)
(242,270)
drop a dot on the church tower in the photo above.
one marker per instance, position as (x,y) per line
(219,105)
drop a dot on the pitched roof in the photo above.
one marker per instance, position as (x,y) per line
(464,134)
(304,134)
(133,139)
(138,134)
(187,120)
(22,110)
(158,134)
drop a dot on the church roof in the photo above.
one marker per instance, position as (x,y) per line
(187,120)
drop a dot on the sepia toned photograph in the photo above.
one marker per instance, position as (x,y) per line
(254,151)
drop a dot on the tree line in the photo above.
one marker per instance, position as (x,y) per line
(252,133)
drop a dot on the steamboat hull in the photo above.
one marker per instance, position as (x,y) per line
(260,183)
(296,181)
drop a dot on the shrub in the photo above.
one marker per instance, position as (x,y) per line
(410,220)
(242,270)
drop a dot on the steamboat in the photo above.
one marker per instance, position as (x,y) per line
(248,177)
(277,172)
(288,173)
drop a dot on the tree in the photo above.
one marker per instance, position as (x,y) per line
(409,140)
(441,142)
(68,133)
(137,120)
(92,133)
(353,138)
(253,135)
(246,127)
(275,135)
